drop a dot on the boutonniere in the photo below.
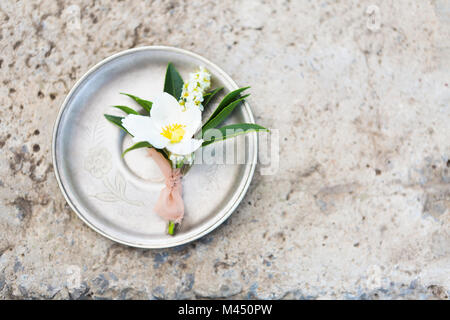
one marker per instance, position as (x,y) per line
(170,126)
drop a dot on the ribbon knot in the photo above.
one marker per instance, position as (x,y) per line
(169,205)
(174,179)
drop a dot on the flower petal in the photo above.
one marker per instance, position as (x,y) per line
(143,129)
(192,119)
(165,109)
(185,146)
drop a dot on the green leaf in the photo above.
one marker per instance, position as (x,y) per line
(173,83)
(147,105)
(210,95)
(142,144)
(117,121)
(222,115)
(240,128)
(229,98)
(145,144)
(126,109)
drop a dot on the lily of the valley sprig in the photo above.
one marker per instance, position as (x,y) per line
(171,124)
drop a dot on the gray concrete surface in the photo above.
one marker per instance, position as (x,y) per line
(360,205)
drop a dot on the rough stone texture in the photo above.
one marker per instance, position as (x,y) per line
(360,205)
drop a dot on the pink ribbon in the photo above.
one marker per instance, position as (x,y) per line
(170,205)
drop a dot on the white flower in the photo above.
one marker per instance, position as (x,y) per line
(191,85)
(169,126)
(190,104)
(177,159)
(194,89)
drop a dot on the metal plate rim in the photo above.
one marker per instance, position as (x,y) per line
(181,241)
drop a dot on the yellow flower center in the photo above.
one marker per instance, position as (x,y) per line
(173,132)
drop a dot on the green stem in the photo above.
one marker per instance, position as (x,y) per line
(180,164)
(171,228)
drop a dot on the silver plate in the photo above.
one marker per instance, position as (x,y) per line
(113,195)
